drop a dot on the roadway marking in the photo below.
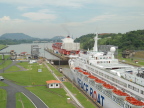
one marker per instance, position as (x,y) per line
(30,100)
(40,99)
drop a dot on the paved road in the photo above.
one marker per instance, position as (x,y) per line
(13,63)
(12,89)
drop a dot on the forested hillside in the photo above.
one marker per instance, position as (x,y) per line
(133,40)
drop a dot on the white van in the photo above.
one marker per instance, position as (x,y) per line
(1,78)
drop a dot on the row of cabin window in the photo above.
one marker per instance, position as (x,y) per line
(129,86)
(135,89)
(103,58)
(103,61)
(108,77)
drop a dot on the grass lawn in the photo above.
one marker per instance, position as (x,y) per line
(2,46)
(5,64)
(83,100)
(30,77)
(3,84)
(74,90)
(3,98)
(12,68)
(23,102)
(55,70)
(53,98)
(26,65)
(131,61)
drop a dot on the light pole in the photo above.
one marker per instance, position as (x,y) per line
(3,62)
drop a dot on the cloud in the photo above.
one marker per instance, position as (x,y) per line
(77,3)
(39,16)
(98,18)
(66,3)
(5,18)
(92,20)
(21,8)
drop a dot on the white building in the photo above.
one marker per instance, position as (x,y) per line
(53,84)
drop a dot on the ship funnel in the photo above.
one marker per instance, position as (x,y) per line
(95,44)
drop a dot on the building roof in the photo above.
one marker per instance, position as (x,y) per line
(23,52)
(53,81)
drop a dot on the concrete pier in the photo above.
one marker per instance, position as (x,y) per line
(62,59)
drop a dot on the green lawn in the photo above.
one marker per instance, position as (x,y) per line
(23,102)
(2,46)
(83,100)
(2,83)
(55,70)
(74,90)
(26,65)
(3,98)
(53,98)
(131,61)
(30,77)
(5,64)
(12,68)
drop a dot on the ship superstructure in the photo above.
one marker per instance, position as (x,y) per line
(108,82)
(67,47)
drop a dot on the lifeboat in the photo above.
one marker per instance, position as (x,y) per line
(119,93)
(108,87)
(86,73)
(77,68)
(80,70)
(99,82)
(91,77)
(134,102)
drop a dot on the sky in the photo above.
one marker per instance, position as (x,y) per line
(49,18)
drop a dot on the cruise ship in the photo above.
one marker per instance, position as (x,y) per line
(107,81)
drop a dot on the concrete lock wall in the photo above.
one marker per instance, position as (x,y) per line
(60,62)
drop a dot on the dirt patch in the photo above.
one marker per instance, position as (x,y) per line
(139,54)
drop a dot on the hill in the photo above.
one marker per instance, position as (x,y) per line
(17,36)
(133,40)
(57,38)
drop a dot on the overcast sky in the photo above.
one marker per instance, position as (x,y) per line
(49,18)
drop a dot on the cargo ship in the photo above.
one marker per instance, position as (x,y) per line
(107,81)
(66,47)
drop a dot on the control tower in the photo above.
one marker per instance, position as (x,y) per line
(35,51)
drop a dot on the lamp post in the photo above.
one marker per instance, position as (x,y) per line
(3,62)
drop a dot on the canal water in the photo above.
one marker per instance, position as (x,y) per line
(27,48)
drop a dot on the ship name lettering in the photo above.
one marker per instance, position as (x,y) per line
(97,97)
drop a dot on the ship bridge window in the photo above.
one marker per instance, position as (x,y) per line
(142,92)
(129,71)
